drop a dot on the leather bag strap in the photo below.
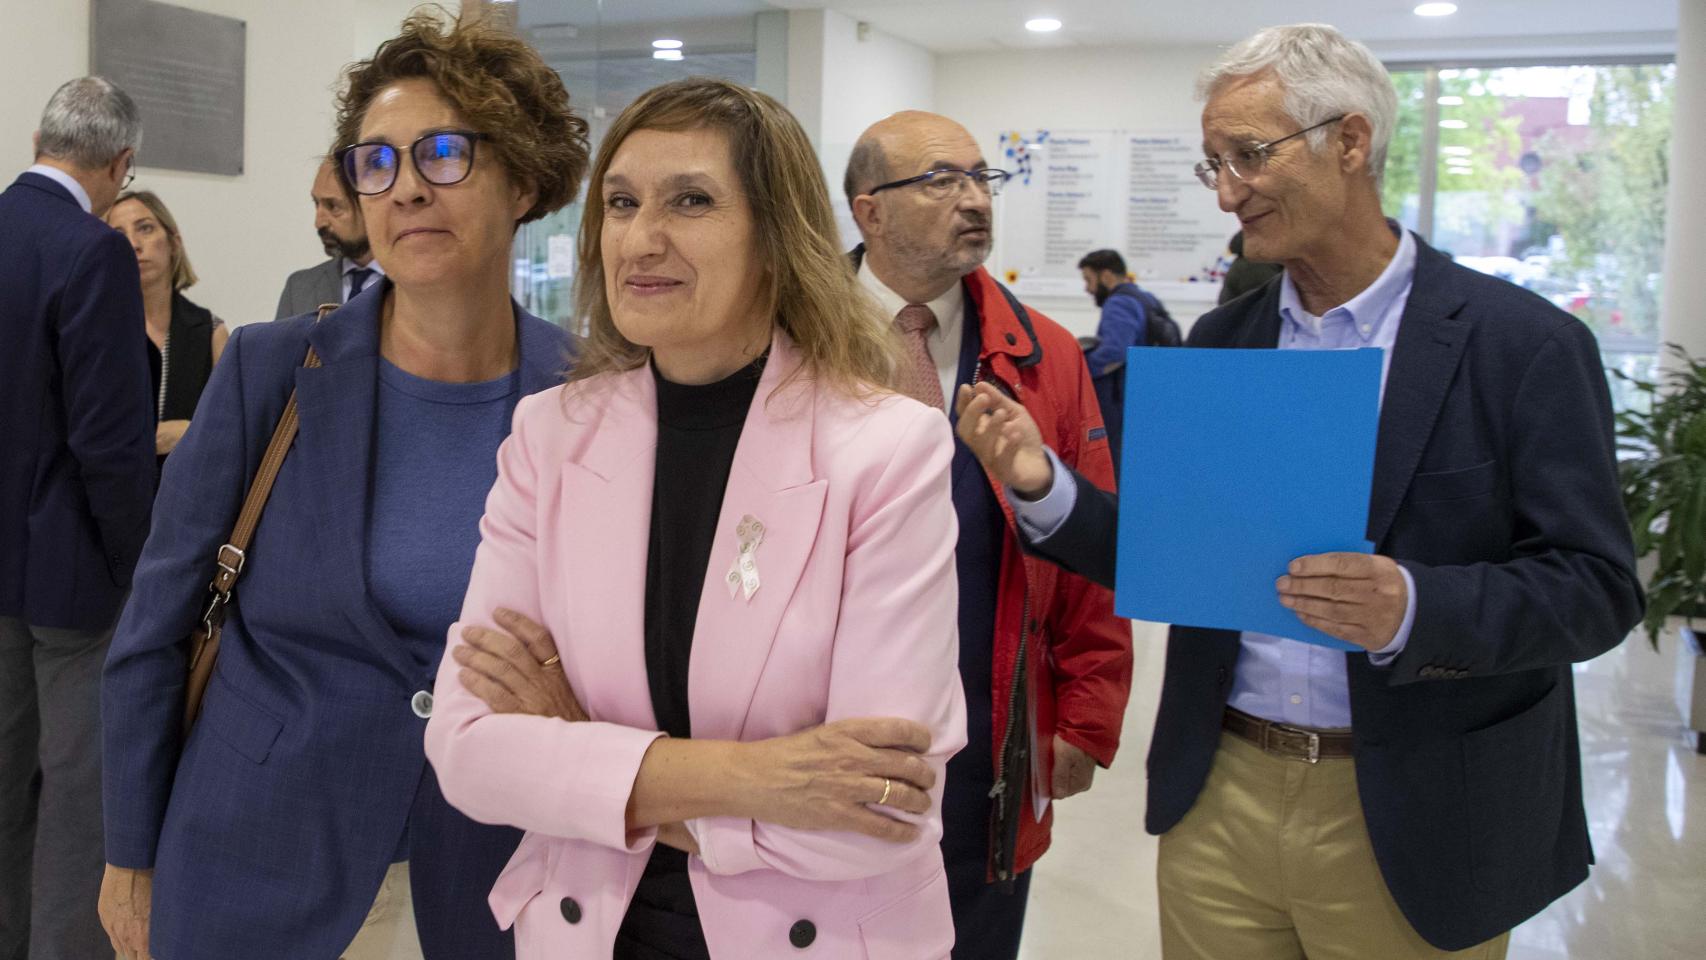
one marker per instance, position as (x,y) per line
(233,554)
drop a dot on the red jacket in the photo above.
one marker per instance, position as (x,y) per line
(1076,653)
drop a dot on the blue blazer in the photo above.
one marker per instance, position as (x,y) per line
(1495,485)
(76,414)
(270,829)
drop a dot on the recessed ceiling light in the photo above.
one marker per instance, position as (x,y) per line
(666,54)
(1042,25)
(667,44)
(1454,124)
(1451,101)
(1436,9)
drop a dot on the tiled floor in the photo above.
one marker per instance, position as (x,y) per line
(1094,894)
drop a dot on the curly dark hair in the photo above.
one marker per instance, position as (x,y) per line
(499,85)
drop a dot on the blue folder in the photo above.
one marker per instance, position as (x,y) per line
(1236,462)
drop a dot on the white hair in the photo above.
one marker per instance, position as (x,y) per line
(1323,74)
(89,121)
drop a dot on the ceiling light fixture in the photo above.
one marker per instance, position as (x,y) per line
(666,54)
(1042,25)
(1436,9)
(667,44)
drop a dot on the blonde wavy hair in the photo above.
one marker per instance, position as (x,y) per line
(183,275)
(809,284)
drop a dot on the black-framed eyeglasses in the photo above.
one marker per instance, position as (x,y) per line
(945,182)
(129,175)
(1247,162)
(442,158)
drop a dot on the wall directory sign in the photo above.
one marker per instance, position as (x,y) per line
(184,69)
(1077,191)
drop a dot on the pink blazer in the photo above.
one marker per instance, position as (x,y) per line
(854,616)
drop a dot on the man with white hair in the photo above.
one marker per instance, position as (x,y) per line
(1421,796)
(76,486)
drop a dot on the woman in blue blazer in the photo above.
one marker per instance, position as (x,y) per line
(296,817)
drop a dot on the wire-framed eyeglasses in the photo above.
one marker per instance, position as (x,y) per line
(945,182)
(1247,162)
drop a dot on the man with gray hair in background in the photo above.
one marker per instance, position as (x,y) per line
(1421,796)
(76,486)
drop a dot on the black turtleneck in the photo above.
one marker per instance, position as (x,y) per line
(699,428)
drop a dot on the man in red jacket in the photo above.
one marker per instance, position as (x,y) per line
(1046,664)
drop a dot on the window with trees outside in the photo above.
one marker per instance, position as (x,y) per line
(1551,177)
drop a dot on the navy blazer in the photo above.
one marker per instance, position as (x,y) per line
(76,415)
(1495,485)
(270,829)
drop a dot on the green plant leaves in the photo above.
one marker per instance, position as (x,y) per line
(1663,474)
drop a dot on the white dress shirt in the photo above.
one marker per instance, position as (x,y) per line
(944,341)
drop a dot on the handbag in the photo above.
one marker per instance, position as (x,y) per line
(232,555)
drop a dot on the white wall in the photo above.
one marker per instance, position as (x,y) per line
(839,84)
(1130,88)
(1685,243)
(244,233)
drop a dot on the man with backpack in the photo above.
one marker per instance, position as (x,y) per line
(1131,315)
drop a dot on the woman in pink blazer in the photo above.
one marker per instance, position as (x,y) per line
(708,654)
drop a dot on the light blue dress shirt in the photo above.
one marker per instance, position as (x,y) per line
(1289,681)
(67,181)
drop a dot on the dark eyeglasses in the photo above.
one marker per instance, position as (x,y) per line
(946,182)
(442,159)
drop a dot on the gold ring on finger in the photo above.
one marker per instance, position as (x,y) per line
(553,661)
(887,786)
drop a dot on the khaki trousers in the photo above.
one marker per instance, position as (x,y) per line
(388,933)
(1274,863)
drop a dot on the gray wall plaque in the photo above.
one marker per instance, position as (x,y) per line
(184,68)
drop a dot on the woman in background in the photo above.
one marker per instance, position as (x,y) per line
(185,340)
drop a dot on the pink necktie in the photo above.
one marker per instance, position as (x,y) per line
(917,375)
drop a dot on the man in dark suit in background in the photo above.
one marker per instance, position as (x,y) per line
(351,268)
(76,484)
(1422,795)
(1244,274)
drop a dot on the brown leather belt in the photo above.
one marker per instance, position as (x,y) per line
(1292,743)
